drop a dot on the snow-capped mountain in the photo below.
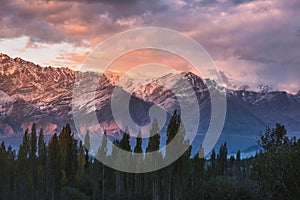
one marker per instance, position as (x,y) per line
(31,93)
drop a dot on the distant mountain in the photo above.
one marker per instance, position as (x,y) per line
(31,93)
(248,152)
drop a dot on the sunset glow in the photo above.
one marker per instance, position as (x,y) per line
(252,42)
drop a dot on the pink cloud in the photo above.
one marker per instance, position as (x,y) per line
(251,41)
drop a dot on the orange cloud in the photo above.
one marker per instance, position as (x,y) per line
(70,59)
(75,29)
(248,39)
(146,56)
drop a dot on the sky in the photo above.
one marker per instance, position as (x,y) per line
(250,41)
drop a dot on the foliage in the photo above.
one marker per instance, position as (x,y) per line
(276,168)
(63,169)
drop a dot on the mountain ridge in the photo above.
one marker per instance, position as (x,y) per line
(31,93)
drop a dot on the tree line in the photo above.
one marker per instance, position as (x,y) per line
(64,169)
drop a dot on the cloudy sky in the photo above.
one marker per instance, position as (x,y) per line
(251,41)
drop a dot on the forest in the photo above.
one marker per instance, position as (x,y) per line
(63,169)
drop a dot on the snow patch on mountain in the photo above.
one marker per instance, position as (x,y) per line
(44,95)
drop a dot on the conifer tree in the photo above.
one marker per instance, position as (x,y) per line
(87,145)
(10,173)
(69,152)
(153,146)
(54,166)
(32,159)
(87,141)
(174,127)
(102,152)
(138,178)
(42,148)
(138,147)
(238,162)
(124,177)
(3,171)
(26,143)
(154,140)
(222,159)
(41,165)
(125,141)
(23,175)
(33,142)
(81,159)
(276,167)
(213,162)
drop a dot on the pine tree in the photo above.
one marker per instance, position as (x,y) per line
(87,145)
(153,146)
(32,159)
(3,171)
(87,141)
(26,143)
(81,159)
(154,140)
(213,162)
(21,173)
(222,159)
(231,164)
(194,173)
(201,162)
(42,148)
(238,162)
(138,147)
(54,166)
(124,177)
(175,127)
(180,164)
(33,143)
(11,158)
(138,178)
(41,165)
(276,167)
(69,152)
(125,141)
(102,153)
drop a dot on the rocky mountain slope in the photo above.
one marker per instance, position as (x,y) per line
(31,93)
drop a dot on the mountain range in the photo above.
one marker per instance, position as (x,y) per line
(31,93)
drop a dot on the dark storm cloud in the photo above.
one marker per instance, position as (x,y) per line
(17,20)
(241,1)
(123,7)
(72,20)
(193,3)
(98,1)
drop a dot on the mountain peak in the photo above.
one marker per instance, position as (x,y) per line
(17,59)
(265,88)
(195,80)
(189,74)
(4,56)
(12,61)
